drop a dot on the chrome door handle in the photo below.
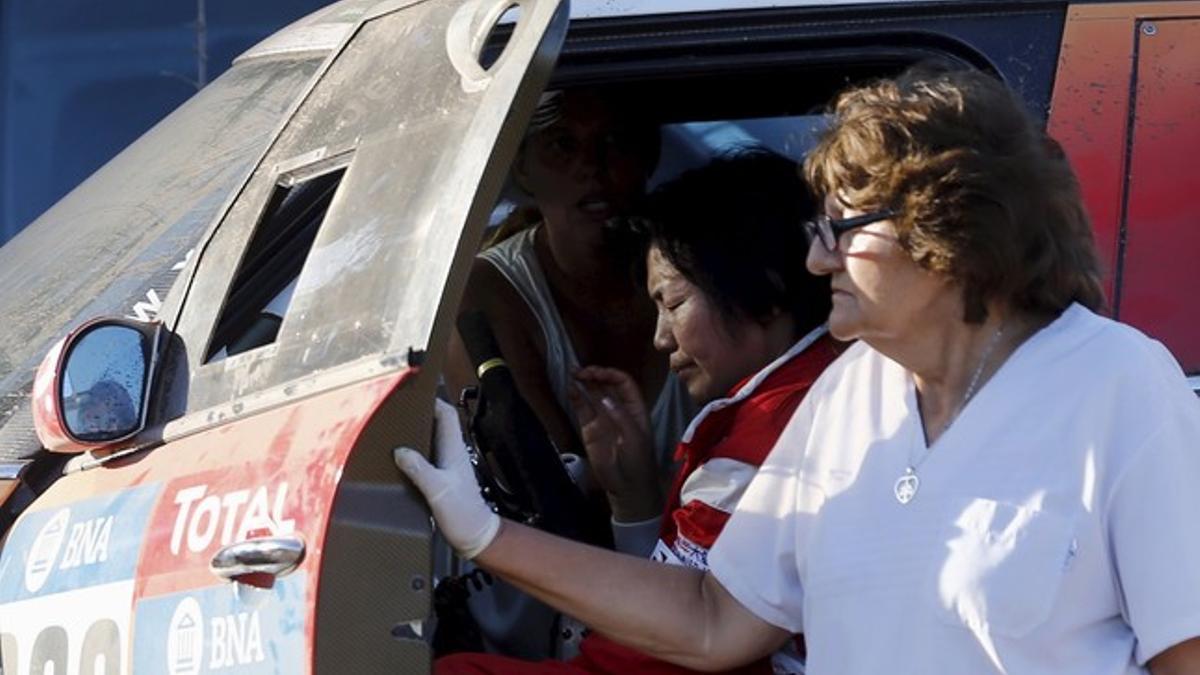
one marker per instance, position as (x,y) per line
(274,556)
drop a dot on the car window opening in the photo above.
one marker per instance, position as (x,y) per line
(734,105)
(262,288)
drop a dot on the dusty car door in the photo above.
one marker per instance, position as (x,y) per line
(117,243)
(306,338)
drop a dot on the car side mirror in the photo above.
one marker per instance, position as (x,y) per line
(93,389)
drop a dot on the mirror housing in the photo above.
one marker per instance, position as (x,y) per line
(93,388)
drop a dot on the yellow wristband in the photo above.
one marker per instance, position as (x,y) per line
(488,365)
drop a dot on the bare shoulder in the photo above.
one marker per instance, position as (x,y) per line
(490,291)
(522,342)
(1181,658)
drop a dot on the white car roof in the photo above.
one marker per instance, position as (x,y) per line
(589,9)
(323,30)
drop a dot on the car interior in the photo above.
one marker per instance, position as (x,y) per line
(702,116)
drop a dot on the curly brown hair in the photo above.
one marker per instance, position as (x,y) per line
(984,195)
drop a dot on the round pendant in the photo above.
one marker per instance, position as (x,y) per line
(906,487)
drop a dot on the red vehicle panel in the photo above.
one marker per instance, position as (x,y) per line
(1128,79)
(1159,274)
(274,474)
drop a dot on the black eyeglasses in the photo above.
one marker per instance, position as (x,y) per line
(829,230)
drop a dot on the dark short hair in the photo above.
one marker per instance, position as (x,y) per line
(639,132)
(984,195)
(733,228)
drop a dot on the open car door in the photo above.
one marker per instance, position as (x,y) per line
(257,523)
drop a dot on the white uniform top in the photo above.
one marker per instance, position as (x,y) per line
(1056,529)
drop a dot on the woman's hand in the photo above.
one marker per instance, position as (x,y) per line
(615,429)
(462,516)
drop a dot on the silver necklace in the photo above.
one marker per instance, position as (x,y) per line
(909,483)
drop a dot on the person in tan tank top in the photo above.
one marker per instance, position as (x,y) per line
(584,160)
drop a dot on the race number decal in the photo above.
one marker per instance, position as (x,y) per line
(80,632)
(66,585)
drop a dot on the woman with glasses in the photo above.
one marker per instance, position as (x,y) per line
(993,479)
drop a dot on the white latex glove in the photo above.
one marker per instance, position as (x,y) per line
(466,521)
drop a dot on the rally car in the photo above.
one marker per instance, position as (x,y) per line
(280,261)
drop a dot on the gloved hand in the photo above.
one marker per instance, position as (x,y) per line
(466,521)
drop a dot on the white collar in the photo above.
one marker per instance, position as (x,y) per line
(747,389)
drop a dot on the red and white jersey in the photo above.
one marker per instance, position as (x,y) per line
(721,451)
(725,444)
